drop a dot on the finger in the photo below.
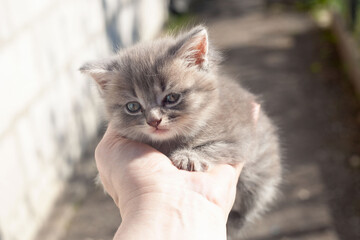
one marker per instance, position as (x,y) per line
(117,151)
(108,152)
(111,138)
(220,186)
(224,176)
(255,112)
(226,170)
(238,167)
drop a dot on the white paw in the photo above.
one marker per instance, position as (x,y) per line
(188,160)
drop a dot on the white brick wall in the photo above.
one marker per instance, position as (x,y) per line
(48,110)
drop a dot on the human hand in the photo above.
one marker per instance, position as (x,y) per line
(148,188)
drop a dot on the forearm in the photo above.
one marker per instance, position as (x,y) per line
(192,217)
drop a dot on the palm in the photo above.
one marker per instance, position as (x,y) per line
(132,171)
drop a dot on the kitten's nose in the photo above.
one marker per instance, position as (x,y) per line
(154,123)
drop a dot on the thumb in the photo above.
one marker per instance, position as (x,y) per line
(227,172)
(224,178)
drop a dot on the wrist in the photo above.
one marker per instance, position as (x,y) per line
(180,216)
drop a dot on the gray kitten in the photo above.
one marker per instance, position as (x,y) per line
(169,94)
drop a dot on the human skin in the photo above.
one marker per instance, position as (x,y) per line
(158,201)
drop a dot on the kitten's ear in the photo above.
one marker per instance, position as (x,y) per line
(194,47)
(102,72)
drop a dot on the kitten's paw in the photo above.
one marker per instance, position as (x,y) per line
(188,160)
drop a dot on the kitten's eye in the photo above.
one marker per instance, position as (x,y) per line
(171,98)
(133,107)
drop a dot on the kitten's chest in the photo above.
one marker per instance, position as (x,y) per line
(170,146)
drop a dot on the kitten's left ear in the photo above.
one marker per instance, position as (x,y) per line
(194,47)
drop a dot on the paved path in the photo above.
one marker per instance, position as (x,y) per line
(285,58)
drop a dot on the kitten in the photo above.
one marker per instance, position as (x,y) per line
(169,94)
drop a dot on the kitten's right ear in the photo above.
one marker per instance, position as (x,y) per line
(193,47)
(102,72)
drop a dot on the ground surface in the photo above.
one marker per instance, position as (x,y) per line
(293,65)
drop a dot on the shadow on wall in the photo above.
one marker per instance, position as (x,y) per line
(125,23)
(122,23)
(79,121)
(112,15)
(122,29)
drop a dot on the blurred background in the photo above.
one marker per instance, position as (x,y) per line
(302,57)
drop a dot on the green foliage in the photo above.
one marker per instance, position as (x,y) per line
(311,4)
(177,22)
(340,6)
(314,5)
(356,26)
(316,67)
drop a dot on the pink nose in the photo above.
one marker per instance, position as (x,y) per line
(154,123)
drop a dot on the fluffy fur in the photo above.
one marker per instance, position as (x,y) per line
(210,122)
